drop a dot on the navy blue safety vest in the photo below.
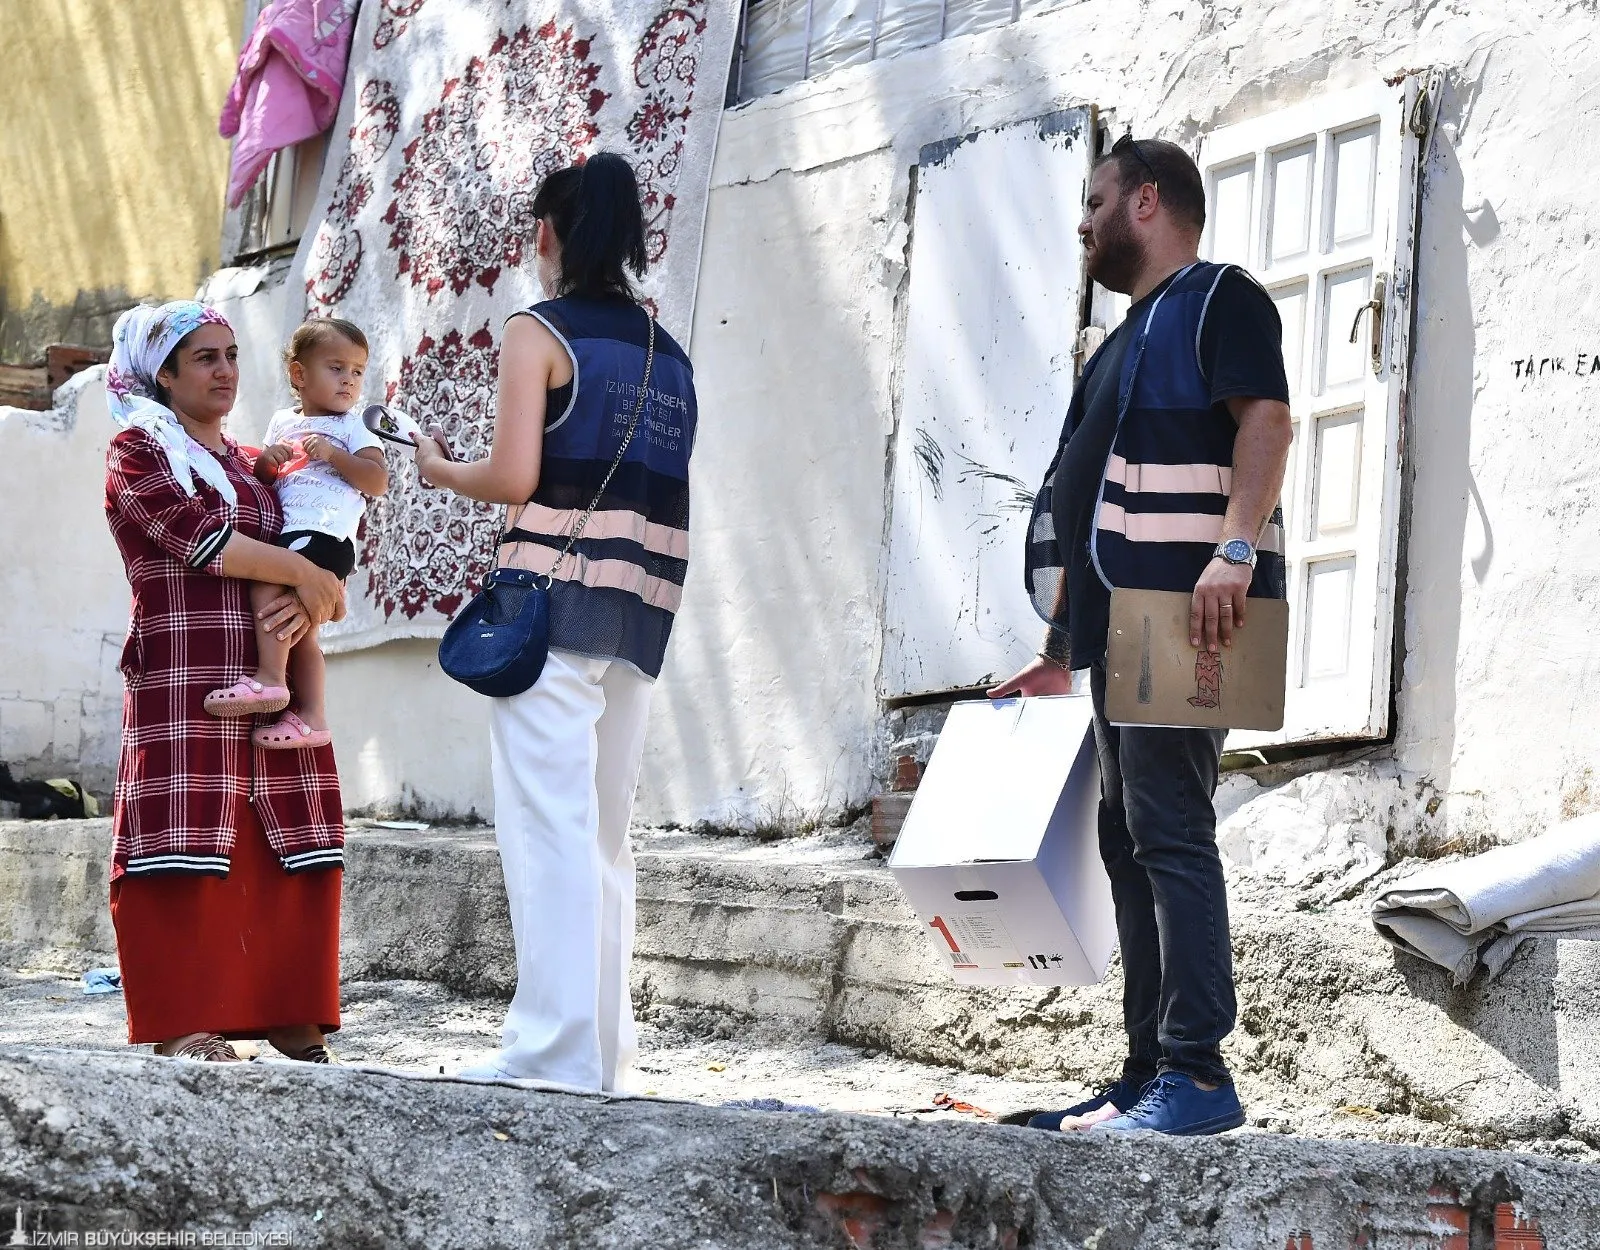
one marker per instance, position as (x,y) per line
(1166,484)
(616,595)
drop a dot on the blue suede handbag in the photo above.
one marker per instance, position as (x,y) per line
(498,643)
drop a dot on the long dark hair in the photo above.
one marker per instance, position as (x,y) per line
(594,209)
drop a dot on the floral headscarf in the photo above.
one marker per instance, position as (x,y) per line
(141,342)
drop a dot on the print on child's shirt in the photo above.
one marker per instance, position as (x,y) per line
(315,497)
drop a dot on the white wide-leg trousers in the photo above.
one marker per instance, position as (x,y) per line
(566,760)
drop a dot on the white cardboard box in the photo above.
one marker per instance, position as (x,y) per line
(1000,855)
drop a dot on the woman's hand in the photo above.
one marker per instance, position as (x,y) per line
(322,594)
(431,455)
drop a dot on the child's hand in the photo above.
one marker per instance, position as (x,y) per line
(271,460)
(319,446)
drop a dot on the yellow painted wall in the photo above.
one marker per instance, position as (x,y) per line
(111,170)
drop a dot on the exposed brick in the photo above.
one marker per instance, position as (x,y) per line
(862,1216)
(858,1215)
(62,360)
(1451,1221)
(938,1232)
(907,774)
(888,815)
(24,387)
(1514,1229)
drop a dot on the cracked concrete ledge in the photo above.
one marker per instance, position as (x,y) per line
(356,1160)
(1338,1036)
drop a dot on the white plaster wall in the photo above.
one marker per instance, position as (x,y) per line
(766,710)
(1498,712)
(63,598)
(766,706)
(407,738)
(1501,667)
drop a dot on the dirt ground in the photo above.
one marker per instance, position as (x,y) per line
(420,1026)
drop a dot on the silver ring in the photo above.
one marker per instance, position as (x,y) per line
(1227,607)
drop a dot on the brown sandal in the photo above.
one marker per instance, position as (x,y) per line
(209,1048)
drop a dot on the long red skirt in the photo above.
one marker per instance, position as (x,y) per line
(237,955)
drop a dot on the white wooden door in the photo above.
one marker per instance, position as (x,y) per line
(995,302)
(1318,201)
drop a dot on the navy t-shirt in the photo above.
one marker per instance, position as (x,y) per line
(1241,352)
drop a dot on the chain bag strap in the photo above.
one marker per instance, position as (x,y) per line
(498,643)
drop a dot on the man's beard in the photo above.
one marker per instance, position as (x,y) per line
(1117,257)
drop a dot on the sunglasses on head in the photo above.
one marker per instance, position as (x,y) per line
(1129,144)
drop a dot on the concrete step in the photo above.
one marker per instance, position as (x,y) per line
(806,939)
(292,1155)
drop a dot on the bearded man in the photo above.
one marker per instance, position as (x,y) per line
(1167,478)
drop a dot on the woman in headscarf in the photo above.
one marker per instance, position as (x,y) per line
(227,860)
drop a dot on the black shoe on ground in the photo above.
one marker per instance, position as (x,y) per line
(1124,1096)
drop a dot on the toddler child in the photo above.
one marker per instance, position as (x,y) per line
(325,463)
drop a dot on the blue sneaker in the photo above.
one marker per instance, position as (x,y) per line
(1175,1105)
(1124,1095)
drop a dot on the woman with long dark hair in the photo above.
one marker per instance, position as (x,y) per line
(566,753)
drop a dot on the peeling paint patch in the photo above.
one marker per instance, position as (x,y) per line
(1061,127)
(934,155)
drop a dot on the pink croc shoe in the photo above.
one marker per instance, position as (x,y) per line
(290,734)
(247,697)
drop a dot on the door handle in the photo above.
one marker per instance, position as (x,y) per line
(1375,305)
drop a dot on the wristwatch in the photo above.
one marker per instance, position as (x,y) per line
(1237,551)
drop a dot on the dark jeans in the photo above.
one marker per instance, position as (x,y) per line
(1158,837)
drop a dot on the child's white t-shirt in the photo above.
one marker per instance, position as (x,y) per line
(315,497)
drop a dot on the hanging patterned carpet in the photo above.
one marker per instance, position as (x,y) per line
(453,113)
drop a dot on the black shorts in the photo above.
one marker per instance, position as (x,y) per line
(337,555)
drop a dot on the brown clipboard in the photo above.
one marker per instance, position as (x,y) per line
(1154,677)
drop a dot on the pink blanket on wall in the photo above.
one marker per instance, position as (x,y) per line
(288,85)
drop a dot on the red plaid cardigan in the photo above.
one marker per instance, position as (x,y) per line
(183,771)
